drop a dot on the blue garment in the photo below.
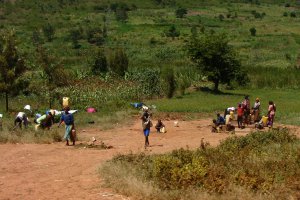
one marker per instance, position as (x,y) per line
(220,120)
(137,105)
(68,132)
(146,132)
(68,118)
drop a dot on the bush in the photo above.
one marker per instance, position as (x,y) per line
(169,80)
(221,17)
(293,14)
(285,14)
(252,31)
(95,36)
(172,32)
(75,35)
(287,5)
(181,12)
(48,31)
(121,14)
(100,63)
(118,62)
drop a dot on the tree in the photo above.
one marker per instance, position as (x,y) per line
(215,58)
(169,79)
(172,32)
(100,63)
(253,31)
(53,74)
(12,66)
(181,12)
(49,32)
(118,62)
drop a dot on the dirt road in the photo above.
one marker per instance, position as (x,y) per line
(56,171)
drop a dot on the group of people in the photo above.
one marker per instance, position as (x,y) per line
(147,124)
(46,120)
(245,116)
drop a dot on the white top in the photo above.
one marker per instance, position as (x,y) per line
(21,115)
(231,109)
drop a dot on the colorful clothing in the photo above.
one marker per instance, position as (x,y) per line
(67,135)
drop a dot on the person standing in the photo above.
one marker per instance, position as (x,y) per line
(246,107)
(68,119)
(240,113)
(146,124)
(271,113)
(256,109)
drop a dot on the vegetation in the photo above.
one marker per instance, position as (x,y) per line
(216,59)
(261,163)
(12,66)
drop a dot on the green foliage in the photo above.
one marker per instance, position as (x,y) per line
(148,81)
(293,14)
(215,58)
(258,15)
(169,79)
(53,74)
(95,36)
(118,62)
(285,14)
(181,12)
(221,17)
(121,14)
(75,35)
(164,3)
(172,32)
(36,38)
(258,162)
(252,31)
(49,31)
(12,66)
(100,64)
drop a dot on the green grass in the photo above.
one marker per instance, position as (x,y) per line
(288,109)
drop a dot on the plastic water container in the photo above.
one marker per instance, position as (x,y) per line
(66,102)
(265,120)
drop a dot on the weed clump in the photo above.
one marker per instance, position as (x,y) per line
(260,163)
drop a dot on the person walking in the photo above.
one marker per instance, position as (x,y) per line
(68,119)
(146,124)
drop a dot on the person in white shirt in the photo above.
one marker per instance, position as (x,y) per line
(21,117)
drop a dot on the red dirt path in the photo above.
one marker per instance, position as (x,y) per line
(56,171)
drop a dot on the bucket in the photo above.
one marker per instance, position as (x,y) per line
(65,102)
(265,120)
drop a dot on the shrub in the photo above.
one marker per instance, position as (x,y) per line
(221,17)
(75,35)
(121,14)
(48,31)
(285,14)
(95,36)
(181,12)
(293,14)
(118,62)
(252,31)
(172,32)
(287,5)
(170,83)
(100,63)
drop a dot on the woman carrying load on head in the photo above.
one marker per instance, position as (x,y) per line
(256,109)
(146,124)
(271,113)
(68,119)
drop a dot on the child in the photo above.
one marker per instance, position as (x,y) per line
(240,113)
(159,126)
(146,124)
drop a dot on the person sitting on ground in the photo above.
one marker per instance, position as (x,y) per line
(159,126)
(229,126)
(21,117)
(215,128)
(240,114)
(260,124)
(220,120)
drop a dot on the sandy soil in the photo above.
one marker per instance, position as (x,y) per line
(56,171)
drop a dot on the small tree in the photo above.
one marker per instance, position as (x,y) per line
(194,31)
(12,66)
(221,17)
(215,58)
(293,14)
(75,35)
(121,14)
(181,12)
(169,78)
(118,62)
(172,32)
(49,32)
(53,74)
(253,31)
(100,63)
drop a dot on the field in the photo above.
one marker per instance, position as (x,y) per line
(108,54)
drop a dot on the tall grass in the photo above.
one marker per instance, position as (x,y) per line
(261,165)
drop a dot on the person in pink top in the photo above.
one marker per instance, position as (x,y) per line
(271,113)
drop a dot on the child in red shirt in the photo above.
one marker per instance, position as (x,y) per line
(240,113)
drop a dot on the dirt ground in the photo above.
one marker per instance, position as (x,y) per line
(56,171)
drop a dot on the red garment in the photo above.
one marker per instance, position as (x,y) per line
(240,111)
